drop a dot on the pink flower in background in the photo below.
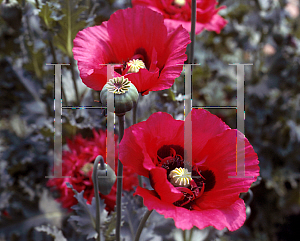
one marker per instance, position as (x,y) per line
(78,164)
(205,195)
(178,12)
(137,40)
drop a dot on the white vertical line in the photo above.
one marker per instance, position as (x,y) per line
(57,123)
(240,144)
(110,146)
(188,155)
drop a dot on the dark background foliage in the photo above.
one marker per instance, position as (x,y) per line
(263,32)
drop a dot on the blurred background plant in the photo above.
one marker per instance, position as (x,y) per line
(33,33)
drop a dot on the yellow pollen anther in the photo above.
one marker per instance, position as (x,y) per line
(135,65)
(180,177)
(180,3)
(118,85)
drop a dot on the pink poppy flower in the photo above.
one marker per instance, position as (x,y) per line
(137,40)
(178,12)
(204,197)
(78,164)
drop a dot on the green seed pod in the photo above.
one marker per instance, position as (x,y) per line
(11,12)
(106,179)
(125,94)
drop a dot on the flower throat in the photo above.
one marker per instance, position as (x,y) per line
(191,184)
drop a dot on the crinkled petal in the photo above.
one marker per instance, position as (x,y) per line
(91,48)
(136,28)
(207,14)
(153,4)
(145,79)
(167,192)
(219,156)
(145,138)
(216,24)
(132,142)
(205,126)
(232,217)
(174,23)
(175,54)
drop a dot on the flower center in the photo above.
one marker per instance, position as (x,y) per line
(87,168)
(179,3)
(191,184)
(118,85)
(135,65)
(180,177)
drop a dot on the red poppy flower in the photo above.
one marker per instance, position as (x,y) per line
(206,196)
(138,41)
(178,12)
(78,164)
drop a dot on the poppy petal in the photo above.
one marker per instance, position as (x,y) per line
(223,165)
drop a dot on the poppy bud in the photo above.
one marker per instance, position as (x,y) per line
(11,12)
(125,94)
(106,177)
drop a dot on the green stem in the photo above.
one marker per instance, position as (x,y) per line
(191,234)
(74,79)
(142,224)
(193,26)
(121,119)
(184,235)
(37,4)
(133,123)
(140,181)
(96,190)
(134,109)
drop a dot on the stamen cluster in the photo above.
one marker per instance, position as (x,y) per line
(135,65)
(191,186)
(180,177)
(180,3)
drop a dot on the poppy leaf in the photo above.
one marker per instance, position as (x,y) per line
(86,214)
(45,15)
(69,25)
(132,214)
(53,231)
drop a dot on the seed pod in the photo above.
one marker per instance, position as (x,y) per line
(11,12)
(125,94)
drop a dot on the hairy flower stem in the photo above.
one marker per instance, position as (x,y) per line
(193,26)
(187,236)
(184,235)
(191,234)
(96,190)
(142,224)
(74,79)
(134,122)
(121,119)
(37,4)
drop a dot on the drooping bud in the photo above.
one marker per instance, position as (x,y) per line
(125,94)
(106,177)
(135,65)
(180,177)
